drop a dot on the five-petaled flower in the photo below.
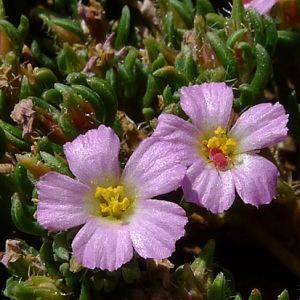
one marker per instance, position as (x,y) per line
(262,6)
(221,158)
(117,210)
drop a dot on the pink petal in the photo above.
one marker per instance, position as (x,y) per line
(104,245)
(94,156)
(262,6)
(155,228)
(209,188)
(153,169)
(260,126)
(255,179)
(60,205)
(182,134)
(208,105)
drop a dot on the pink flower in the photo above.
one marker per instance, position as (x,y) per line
(221,159)
(117,210)
(262,6)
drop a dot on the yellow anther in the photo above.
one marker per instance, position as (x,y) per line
(219,130)
(231,143)
(105,208)
(125,203)
(213,142)
(116,206)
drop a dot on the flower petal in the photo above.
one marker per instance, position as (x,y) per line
(262,6)
(255,179)
(182,134)
(208,105)
(155,228)
(260,126)
(103,245)
(60,205)
(209,188)
(94,156)
(153,169)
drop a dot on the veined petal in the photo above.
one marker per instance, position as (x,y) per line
(181,133)
(153,169)
(61,205)
(155,228)
(255,179)
(94,156)
(103,245)
(208,105)
(209,188)
(260,126)
(262,6)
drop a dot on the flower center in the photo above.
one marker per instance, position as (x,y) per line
(112,201)
(218,148)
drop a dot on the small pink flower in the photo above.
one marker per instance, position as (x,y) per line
(262,6)
(117,210)
(221,159)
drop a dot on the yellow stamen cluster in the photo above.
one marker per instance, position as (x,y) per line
(220,141)
(112,201)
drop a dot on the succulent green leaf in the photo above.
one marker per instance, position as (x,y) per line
(123,28)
